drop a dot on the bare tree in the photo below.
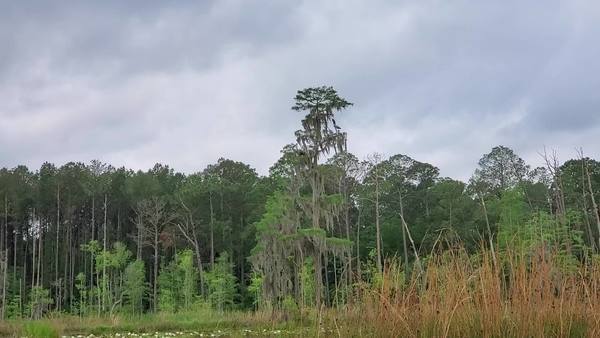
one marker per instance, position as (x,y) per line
(588,178)
(4,255)
(3,270)
(104,248)
(489,229)
(57,282)
(553,166)
(156,218)
(350,171)
(412,244)
(584,192)
(212,230)
(187,225)
(375,162)
(404,228)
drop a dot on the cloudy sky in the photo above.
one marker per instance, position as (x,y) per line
(185,82)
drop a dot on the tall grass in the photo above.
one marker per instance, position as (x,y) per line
(197,319)
(457,295)
(39,330)
(531,294)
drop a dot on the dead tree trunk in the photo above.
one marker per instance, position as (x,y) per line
(377,225)
(92,238)
(584,187)
(104,281)
(56,256)
(212,231)
(489,230)
(188,230)
(404,242)
(593,198)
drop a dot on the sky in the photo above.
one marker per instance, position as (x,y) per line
(133,83)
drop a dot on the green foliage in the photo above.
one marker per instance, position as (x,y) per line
(116,259)
(499,170)
(14,297)
(92,247)
(373,274)
(313,232)
(275,208)
(190,277)
(80,285)
(113,262)
(56,209)
(307,282)
(255,289)
(525,230)
(39,330)
(453,215)
(222,284)
(290,308)
(513,226)
(135,286)
(321,205)
(177,283)
(334,199)
(169,287)
(13,308)
(39,301)
(336,242)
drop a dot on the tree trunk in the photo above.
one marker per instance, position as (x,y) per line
(4,270)
(71,267)
(92,238)
(594,205)
(212,231)
(489,230)
(358,271)
(140,226)
(590,234)
(118,224)
(40,253)
(326,285)
(33,255)
(199,264)
(315,223)
(240,248)
(66,267)
(104,261)
(414,247)
(16,239)
(377,225)
(155,291)
(3,230)
(318,278)
(3,255)
(56,256)
(404,242)
(343,188)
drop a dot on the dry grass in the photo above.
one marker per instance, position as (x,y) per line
(463,296)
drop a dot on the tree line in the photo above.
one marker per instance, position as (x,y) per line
(92,239)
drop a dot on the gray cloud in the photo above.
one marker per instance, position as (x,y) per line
(134,83)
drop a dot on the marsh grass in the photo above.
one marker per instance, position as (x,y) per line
(531,294)
(39,330)
(233,323)
(526,295)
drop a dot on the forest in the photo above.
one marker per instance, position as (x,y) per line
(328,242)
